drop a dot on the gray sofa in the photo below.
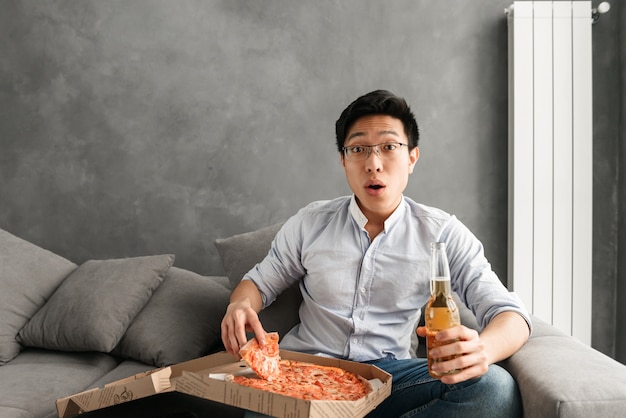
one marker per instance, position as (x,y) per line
(66,328)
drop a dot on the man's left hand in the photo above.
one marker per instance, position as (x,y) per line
(465,343)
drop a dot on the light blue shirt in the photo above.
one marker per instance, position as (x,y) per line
(362,298)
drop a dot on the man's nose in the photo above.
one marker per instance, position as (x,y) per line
(373,161)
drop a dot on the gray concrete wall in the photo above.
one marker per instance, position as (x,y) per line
(620,294)
(145,127)
(608,140)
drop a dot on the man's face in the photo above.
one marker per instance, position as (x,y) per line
(377,182)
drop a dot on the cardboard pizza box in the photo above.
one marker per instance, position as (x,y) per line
(201,378)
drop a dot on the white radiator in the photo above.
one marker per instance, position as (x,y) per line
(550,161)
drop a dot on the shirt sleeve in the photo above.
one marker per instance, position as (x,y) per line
(473,279)
(282,266)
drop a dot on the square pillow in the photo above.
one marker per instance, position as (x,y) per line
(28,277)
(242,252)
(182,320)
(95,304)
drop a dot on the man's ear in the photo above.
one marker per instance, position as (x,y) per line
(414,155)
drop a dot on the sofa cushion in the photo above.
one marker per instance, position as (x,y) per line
(28,276)
(95,304)
(7,411)
(242,252)
(35,379)
(180,322)
(559,375)
(123,370)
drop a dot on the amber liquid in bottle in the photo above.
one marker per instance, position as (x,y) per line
(441,311)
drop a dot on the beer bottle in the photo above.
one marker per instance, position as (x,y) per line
(441,311)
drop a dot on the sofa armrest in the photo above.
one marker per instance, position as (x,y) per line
(558,376)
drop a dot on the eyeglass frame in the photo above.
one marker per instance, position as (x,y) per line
(369,148)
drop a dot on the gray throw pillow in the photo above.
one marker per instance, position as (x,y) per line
(180,322)
(28,276)
(242,252)
(93,307)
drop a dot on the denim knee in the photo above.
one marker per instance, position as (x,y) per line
(499,394)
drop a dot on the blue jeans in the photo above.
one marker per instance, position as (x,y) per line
(415,394)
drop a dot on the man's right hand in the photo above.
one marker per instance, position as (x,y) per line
(241,316)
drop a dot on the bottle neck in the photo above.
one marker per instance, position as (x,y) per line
(440,286)
(439,267)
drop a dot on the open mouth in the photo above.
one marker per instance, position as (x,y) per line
(374,185)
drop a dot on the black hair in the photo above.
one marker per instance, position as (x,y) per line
(379,102)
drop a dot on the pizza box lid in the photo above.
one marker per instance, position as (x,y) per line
(192,378)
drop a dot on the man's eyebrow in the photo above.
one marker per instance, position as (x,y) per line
(381,133)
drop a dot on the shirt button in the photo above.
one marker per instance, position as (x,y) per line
(355,340)
(362,290)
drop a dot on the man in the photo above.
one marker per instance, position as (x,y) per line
(363,266)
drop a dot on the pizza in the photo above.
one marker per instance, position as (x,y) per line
(294,378)
(263,360)
(310,381)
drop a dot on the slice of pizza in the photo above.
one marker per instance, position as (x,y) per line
(264,361)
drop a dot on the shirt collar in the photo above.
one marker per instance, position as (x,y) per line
(361,219)
(356,213)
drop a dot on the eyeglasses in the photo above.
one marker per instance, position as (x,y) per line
(362,152)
